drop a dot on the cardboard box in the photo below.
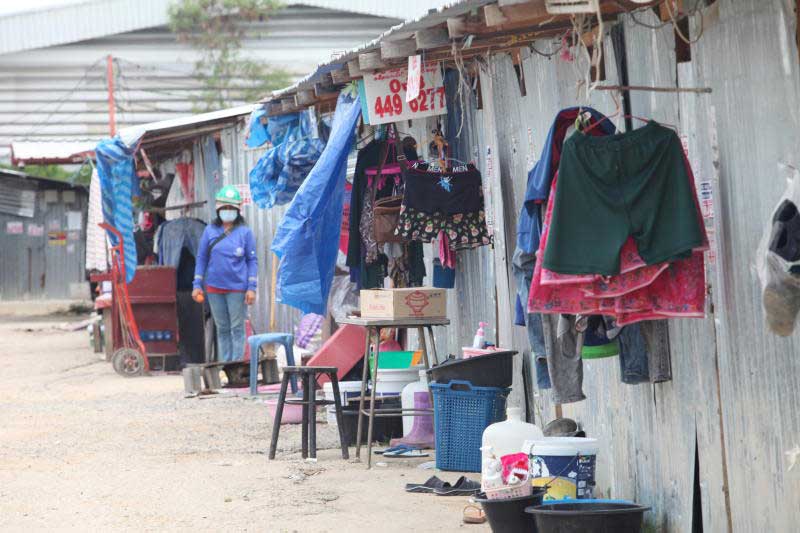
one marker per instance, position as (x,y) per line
(417,302)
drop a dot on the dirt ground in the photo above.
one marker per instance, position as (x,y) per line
(84,449)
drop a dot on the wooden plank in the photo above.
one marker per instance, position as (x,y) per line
(304,97)
(457,27)
(353,69)
(432,37)
(398,49)
(370,61)
(340,76)
(528,12)
(287,104)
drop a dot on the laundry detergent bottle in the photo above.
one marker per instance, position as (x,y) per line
(508,436)
(479,342)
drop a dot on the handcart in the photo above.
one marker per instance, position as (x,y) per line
(144,316)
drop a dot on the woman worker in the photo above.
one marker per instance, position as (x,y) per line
(228,268)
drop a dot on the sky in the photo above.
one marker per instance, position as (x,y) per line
(8,7)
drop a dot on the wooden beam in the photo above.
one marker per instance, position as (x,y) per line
(304,97)
(398,49)
(456,27)
(340,76)
(370,61)
(432,37)
(322,92)
(287,104)
(326,80)
(529,12)
(353,69)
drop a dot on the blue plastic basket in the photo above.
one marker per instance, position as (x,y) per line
(460,413)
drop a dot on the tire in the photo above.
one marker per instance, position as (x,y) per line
(128,362)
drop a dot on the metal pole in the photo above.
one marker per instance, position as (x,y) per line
(112,108)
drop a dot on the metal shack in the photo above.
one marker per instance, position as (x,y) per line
(42,238)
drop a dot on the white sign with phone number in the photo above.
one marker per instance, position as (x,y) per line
(386,95)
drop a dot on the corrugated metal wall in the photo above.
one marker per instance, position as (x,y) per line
(730,411)
(33,266)
(735,389)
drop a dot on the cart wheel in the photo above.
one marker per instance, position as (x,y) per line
(128,362)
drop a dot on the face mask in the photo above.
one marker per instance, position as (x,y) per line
(228,215)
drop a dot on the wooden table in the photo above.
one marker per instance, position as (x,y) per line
(374,327)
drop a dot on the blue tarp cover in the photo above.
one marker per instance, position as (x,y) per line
(307,240)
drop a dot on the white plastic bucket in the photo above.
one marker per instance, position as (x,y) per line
(347,390)
(565,464)
(392,381)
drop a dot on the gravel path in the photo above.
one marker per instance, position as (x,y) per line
(83,449)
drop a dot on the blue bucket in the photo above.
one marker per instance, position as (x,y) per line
(566,465)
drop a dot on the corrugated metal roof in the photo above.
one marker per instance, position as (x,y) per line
(92,19)
(186,123)
(60,152)
(432,18)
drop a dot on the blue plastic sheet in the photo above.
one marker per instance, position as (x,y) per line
(118,182)
(275,178)
(307,240)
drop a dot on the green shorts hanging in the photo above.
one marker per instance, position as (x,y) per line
(631,184)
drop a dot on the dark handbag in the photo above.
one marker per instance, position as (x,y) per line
(386,213)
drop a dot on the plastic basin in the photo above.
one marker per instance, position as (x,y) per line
(490,370)
(589,517)
(509,516)
(392,360)
(292,414)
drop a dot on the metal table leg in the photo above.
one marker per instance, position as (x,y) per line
(372,395)
(424,345)
(433,346)
(311,382)
(363,393)
(304,429)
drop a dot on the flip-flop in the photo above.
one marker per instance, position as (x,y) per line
(473,514)
(462,487)
(410,452)
(392,449)
(428,487)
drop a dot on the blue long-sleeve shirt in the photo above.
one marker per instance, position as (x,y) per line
(232,264)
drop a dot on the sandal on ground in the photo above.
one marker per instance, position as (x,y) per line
(473,514)
(428,487)
(462,487)
(406,452)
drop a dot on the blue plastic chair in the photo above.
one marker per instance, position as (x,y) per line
(256,341)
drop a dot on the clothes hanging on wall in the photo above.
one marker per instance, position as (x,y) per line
(630,185)
(368,263)
(677,291)
(172,236)
(448,201)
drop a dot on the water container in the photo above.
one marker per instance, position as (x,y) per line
(507,437)
(347,390)
(407,399)
(391,381)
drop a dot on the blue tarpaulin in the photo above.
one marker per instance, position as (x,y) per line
(307,240)
(117,183)
(277,176)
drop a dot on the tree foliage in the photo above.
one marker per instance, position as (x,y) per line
(216,29)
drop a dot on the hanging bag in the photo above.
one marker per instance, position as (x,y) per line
(386,211)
